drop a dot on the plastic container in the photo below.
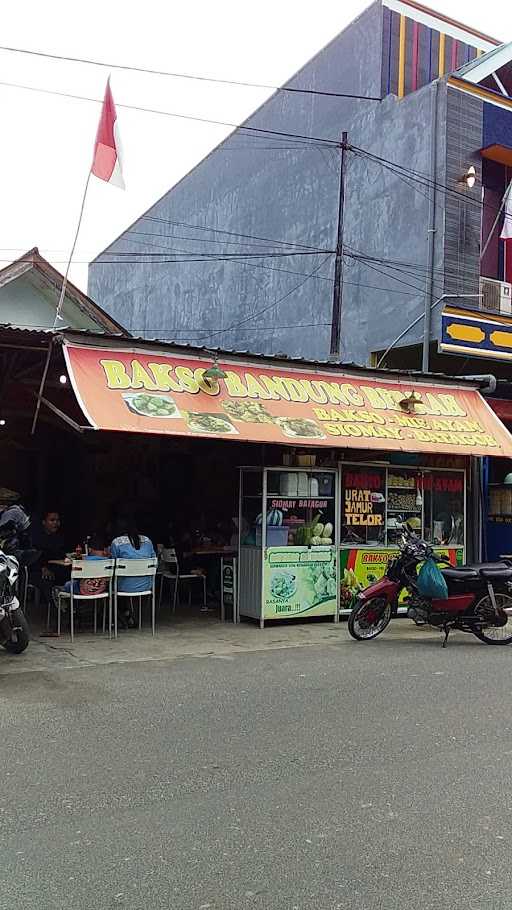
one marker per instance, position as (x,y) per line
(288,484)
(325,483)
(306,461)
(276,537)
(302,483)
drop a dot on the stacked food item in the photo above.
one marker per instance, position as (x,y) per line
(500,500)
(315,534)
(402,480)
(402,500)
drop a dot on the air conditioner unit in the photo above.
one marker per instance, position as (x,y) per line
(496,296)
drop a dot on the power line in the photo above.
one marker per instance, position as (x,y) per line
(426,181)
(244,243)
(199,227)
(253,130)
(411,266)
(154,72)
(420,290)
(280,254)
(270,306)
(251,265)
(151,258)
(201,330)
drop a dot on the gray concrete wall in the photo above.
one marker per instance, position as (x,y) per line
(249,186)
(388,219)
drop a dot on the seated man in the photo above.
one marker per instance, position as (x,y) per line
(48,539)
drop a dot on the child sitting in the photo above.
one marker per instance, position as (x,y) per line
(88,587)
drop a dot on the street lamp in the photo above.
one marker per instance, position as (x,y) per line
(468,179)
(215,372)
(418,319)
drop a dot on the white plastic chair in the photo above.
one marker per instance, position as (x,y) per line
(136,568)
(169,570)
(88,568)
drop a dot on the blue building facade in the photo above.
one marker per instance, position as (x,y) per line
(266,206)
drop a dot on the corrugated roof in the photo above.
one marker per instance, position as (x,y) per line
(249,355)
(83,336)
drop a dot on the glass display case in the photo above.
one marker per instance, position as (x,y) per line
(300,508)
(376,501)
(311,539)
(288,542)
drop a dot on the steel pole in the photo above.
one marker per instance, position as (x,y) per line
(338,264)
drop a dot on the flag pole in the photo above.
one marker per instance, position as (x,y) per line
(106,165)
(59,307)
(72,253)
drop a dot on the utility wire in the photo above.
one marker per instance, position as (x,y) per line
(252,265)
(270,306)
(199,227)
(154,72)
(419,272)
(426,181)
(201,330)
(253,130)
(245,243)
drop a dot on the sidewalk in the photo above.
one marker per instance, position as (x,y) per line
(194,638)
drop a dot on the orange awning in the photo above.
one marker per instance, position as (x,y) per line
(143,391)
(500,153)
(503,408)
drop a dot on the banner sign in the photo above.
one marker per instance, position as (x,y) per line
(148,392)
(298,581)
(361,566)
(228,587)
(477,334)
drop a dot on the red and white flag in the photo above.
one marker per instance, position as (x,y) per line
(107,163)
(506,233)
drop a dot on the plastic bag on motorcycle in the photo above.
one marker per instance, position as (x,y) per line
(431,582)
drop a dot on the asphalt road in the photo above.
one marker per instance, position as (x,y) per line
(371,775)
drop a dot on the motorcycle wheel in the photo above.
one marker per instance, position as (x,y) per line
(496,635)
(21,636)
(369,618)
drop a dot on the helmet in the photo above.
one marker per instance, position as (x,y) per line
(414,524)
(508,480)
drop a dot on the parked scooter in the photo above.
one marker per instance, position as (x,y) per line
(14,630)
(479,597)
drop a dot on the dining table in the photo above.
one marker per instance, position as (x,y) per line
(211,552)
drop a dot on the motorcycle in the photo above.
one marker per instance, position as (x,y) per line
(479,600)
(14,630)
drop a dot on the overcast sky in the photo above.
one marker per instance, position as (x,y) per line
(47,141)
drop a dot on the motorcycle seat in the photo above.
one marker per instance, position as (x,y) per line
(486,566)
(461,574)
(502,575)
